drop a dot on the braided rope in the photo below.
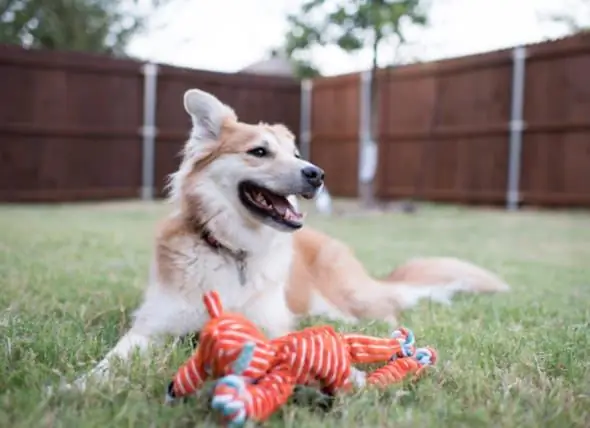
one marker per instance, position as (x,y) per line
(231,396)
(213,304)
(398,369)
(256,376)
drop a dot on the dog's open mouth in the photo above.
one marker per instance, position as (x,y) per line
(270,206)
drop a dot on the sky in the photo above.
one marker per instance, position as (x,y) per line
(227,35)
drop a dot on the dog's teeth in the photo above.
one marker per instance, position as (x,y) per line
(260,199)
(292,215)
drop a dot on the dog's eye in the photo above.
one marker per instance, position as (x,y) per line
(297,155)
(259,152)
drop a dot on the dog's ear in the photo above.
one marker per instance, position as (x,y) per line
(207,113)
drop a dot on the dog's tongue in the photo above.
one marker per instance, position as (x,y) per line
(282,206)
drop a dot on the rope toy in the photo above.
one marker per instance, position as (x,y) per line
(256,376)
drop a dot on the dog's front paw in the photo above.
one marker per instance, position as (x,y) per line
(79,386)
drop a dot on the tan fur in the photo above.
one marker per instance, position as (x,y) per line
(329,268)
(288,275)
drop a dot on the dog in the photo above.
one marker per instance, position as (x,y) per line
(234,226)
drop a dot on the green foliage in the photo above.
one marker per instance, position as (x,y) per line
(301,68)
(351,25)
(573,15)
(571,23)
(104,26)
(304,69)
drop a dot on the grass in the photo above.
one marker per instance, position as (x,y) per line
(71,275)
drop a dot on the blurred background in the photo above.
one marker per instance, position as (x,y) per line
(469,101)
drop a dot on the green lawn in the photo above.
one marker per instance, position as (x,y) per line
(71,275)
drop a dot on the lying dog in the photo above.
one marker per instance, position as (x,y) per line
(235,227)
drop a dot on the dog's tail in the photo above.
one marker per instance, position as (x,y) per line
(344,284)
(434,278)
(439,278)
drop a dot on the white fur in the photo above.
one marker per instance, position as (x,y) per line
(185,266)
(176,308)
(320,306)
(409,296)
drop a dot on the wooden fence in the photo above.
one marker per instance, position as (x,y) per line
(444,128)
(335,121)
(71,123)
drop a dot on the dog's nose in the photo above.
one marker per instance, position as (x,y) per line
(313,175)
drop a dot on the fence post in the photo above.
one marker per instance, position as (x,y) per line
(305,118)
(149,130)
(367,147)
(517,126)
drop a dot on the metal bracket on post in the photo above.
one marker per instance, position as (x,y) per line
(517,125)
(367,147)
(149,131)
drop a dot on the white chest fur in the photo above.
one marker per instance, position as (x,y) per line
(175,306)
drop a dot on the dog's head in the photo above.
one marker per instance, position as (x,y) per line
(234,169)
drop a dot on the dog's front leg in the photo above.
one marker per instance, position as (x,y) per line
(135,340)
(161,314)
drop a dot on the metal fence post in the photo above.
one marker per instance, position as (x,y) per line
(517,126)
(305,118)
(368,147)
(149,130)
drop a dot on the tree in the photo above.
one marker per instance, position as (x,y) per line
(574,15)
(103,26)
(302,69)
(353,26)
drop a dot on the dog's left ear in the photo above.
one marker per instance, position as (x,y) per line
(207,113)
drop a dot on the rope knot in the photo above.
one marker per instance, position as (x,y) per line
(406,340)
(426,356)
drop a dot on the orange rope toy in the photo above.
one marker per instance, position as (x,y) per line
(255,376)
